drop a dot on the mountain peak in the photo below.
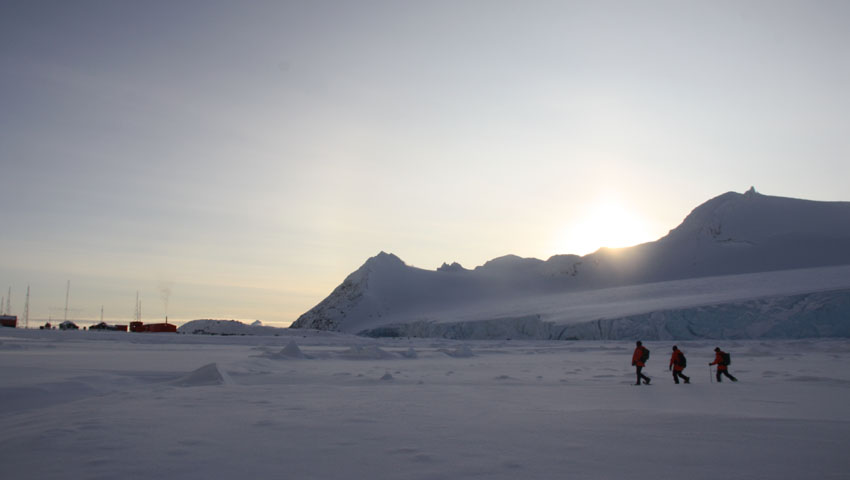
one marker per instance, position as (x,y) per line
(510,261)
(708,217)
(454,267)
(384,259)
(735,219)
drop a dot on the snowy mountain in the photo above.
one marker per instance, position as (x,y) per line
(226,327)
(728,256)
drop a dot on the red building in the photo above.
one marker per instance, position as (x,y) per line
(153,327)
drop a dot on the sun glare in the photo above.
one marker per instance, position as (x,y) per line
(603,225)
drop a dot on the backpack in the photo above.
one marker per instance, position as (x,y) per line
(683,362)
(645,355)
(727,359)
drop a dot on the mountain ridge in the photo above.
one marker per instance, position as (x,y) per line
(730,234)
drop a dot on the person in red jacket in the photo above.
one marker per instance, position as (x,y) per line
(722,366)
(677,364)
(639,361)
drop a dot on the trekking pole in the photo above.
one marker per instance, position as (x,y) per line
(710,376)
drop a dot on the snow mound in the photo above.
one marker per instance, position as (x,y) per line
(410,353)
(207,375)
(462,351)
(290,351)
(370,352)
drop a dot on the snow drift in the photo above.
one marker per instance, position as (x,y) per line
(723,273)
(205,376)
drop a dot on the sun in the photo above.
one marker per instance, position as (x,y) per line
(605,224)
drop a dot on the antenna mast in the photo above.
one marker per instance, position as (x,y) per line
(67,294)
(138,313)
(27,309)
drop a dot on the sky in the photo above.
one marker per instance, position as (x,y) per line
(236,160)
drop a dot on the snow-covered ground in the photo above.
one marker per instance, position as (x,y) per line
(311,405)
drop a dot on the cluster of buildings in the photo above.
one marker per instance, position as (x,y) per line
(11,321)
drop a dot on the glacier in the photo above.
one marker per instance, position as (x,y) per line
(811,315)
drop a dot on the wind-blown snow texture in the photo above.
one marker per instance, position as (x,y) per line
(725,272)
(148,406)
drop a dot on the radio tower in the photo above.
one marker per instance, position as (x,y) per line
(27,309)
(138,313)
(67,293)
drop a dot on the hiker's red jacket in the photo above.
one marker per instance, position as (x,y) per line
(676,361)
(637,356)
(718,360)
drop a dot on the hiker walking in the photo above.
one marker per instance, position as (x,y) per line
(722,360)
(677,364)
(639,359)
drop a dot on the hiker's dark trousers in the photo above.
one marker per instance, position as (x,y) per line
(677,375)
(640,375)
(725,372)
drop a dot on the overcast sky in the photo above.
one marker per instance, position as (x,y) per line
(239,159)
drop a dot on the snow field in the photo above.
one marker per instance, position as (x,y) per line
(85,405)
